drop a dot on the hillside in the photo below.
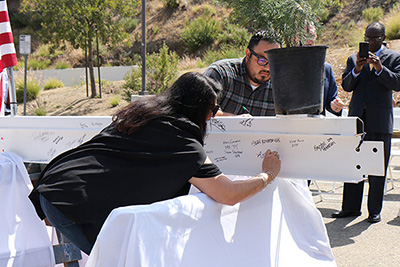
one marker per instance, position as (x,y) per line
(166,24)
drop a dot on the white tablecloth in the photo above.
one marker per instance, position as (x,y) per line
(278,227)
(24,241)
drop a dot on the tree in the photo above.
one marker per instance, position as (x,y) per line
(80,22)
(288,19)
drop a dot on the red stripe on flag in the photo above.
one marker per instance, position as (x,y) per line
(4,16)
(9,60)
(6,60)
(1,93)
(6,38)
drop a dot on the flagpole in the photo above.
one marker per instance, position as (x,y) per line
(13,96)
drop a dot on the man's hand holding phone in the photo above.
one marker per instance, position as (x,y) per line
(362,56)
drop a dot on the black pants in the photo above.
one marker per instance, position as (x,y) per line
(353,193)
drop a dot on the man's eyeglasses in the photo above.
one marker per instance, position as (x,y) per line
(215,109)
(373,39)
(262,61)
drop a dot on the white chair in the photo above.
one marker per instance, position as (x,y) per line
(394,164)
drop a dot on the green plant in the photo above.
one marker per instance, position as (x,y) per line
(20,64)
(52,83)
(43,51)
(201,31)
(61,65)
(372,14)
(35,64)
(392,23)
(212,55)
(187,63)
(162,69)
(234,34)
(129,24)
(288,20)
(200,64)
(40,111)
(114,101)
(393,27)
(80,22)
(155,29)
(226,51)
(32,89)
(171,3)
(103,82)
(133,83)
(357,34)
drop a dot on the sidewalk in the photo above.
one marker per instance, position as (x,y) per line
(355,241)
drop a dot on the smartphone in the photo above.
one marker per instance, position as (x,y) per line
(364,48)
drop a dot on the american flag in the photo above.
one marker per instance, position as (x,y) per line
(7,50)
(8,57)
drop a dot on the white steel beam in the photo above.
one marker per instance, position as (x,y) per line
(316,148)
(310,148)
(41,138)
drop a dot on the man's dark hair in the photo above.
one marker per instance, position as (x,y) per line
(263,35)
(377,25)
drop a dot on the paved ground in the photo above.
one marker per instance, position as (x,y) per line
(356,242)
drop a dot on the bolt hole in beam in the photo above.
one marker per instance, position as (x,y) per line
(375,150)
(358,167)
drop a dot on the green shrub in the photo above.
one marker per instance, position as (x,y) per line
(372,14)
(103,83)
(129,24)
(162,69)
(133,83)
(19,20)
(114,101)
(235,35)
(35,64)
(40,111)
(201,31)
(61,65)
(32,90)
(354,33)
(43,51)
(227,51)
(323,14)
(205,9)
(211,56)
(232,51)
(52,83)
(171,3)
(188,63)
(200,64)
(392,25)
(20,64)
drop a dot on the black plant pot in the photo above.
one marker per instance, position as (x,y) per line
(297,76)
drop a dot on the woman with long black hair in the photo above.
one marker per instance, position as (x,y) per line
(152,151)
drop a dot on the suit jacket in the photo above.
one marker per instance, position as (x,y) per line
(372,94)
(330,89)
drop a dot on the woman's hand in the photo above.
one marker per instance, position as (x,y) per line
(271,163)
(225,191)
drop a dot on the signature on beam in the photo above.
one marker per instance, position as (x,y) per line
(325,146)
(219,124)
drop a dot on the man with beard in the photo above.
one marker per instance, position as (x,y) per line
(246,81)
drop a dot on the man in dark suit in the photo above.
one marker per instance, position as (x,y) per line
(372,81)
